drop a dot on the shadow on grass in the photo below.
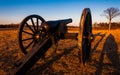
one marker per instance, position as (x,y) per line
(47,65)
(96,45)
(110,50)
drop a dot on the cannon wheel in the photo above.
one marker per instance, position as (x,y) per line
(30,32)
(84,34)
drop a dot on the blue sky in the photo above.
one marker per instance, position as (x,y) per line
(13,11)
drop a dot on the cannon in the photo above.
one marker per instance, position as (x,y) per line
(37,32)
(36,36)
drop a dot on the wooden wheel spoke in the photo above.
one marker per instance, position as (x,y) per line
(29,44)
(33,24)
(27,39)
(37,23)
(27,32)
(29,27)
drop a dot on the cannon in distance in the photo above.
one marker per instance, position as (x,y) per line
(43,34)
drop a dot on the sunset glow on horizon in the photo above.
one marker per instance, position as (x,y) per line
(14,11)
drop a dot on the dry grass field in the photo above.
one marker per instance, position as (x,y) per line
(105,56)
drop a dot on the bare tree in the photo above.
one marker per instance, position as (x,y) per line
(111,13)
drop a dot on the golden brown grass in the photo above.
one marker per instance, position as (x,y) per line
(65,61)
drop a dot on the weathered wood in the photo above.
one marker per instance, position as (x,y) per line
(32,57)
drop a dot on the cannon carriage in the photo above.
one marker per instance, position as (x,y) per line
(42,34)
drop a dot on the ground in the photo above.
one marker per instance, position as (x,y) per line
(105,56)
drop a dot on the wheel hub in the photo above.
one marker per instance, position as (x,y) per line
(90,38)
(37,37)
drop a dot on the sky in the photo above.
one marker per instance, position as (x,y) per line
(14,11)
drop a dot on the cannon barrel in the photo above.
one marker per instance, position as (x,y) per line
(66,21)
(52,26)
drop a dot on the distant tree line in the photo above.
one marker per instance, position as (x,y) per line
(9,26)
(102,25)
(73,28)
(114,25)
